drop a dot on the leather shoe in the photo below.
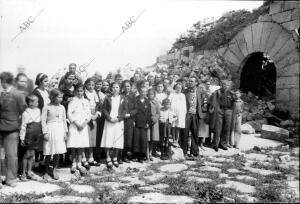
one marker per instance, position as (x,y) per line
(223,147)
(216,149)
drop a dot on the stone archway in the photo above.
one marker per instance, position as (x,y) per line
(277,42)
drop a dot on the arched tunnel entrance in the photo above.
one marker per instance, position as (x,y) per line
(259,76)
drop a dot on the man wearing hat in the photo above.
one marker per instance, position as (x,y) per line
(72,69)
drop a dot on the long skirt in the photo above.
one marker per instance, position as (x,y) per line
(92,129)
(113,135)
(56,143)
(140,140)
(153,133)
(128,134)
(203,129)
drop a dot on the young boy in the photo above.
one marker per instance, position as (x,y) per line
(30,135)
(167,117)
(236,120)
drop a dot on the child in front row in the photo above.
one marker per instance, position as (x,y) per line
(79,115)
(30,135)
(167,118)
(54,126)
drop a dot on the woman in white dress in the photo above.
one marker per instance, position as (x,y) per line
(79,114)
(114,110)
(178,105)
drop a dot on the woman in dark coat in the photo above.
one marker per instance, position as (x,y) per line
(42,94)
(142,121)
(130,101)
(67,88)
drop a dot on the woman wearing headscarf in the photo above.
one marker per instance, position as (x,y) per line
(42,94)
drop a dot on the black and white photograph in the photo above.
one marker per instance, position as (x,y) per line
(149,101)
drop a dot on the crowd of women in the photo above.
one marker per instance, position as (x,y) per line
(82,123)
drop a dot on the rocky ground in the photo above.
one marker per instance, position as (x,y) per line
(261,171)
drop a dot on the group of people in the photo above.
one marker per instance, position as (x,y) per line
(82,122)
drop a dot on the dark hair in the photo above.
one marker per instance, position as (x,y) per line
(68,74)
(78,86)
(124,82)
(177,83)
(72,64)
(117,75)
(160,82)
(20,75)
(98,81)
(39,78)
(53,94)
(113,83)
(152,90)
(7,77)
(30,98)
(165,101)
(91,79)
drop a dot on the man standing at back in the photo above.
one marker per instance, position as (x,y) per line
(30,87)
(72,69)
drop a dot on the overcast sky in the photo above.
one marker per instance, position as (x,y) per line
(78,31)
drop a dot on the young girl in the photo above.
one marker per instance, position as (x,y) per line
(105,87)
(79,114)
(54,126)
(30,135)
(167,117)
(153,131)
(142,121)
(236,120)
(93,100)
(178,105)
(114,110)
(160,94)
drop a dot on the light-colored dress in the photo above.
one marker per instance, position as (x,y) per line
(55,125)
(113,133)
(93,100)
(178,105)
(78,110)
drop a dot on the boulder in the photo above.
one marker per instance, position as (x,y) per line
(176,153)
(274,133)
(287,123)
(247,129)
(257,124)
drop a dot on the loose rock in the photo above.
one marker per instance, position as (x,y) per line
(82,188)
(243,188)
(64,199)
(30,187)
(173,167)
(160,198)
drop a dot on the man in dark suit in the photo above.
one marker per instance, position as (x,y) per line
(12,105)
(194,111)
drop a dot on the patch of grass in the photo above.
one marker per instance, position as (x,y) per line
(18,198)
(202,192)
(274,193)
